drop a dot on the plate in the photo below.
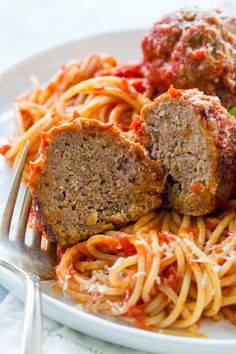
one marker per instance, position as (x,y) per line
(123,45)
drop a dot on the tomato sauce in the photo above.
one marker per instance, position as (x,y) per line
(4,149)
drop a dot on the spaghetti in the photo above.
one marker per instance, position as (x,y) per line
(163,273)
(73,92)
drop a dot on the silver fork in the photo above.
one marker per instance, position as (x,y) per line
(29,262)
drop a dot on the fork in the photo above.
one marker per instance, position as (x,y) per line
(29,262)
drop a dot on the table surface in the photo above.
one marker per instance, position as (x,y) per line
(29,26)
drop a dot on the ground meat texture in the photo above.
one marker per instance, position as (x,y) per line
(195,137)
(193,49)
(90,178)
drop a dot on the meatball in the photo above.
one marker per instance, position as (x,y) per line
(193,49)
(195,137)
(90,178)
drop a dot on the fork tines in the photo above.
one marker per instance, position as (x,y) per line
(20,239)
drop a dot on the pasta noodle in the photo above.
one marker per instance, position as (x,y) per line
(165,272)
(162,273)
(73,92)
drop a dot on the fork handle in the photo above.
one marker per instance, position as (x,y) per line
(32,331)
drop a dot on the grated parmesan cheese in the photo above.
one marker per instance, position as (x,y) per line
(65,284)
(168,251)
(230,256)
(216,266)
(136,275)
(116,308)
(96,287)
(198,260)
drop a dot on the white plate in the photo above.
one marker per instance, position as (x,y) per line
(123,45)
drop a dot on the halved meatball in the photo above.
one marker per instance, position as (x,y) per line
(90,178)
(195,137)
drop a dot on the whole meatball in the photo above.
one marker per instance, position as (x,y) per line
(193,49)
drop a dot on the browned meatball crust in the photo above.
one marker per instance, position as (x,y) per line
(90,178)
(193,49)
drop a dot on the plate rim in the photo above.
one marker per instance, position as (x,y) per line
(71,42)
(103,322)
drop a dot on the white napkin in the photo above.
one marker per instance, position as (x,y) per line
(57,338)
